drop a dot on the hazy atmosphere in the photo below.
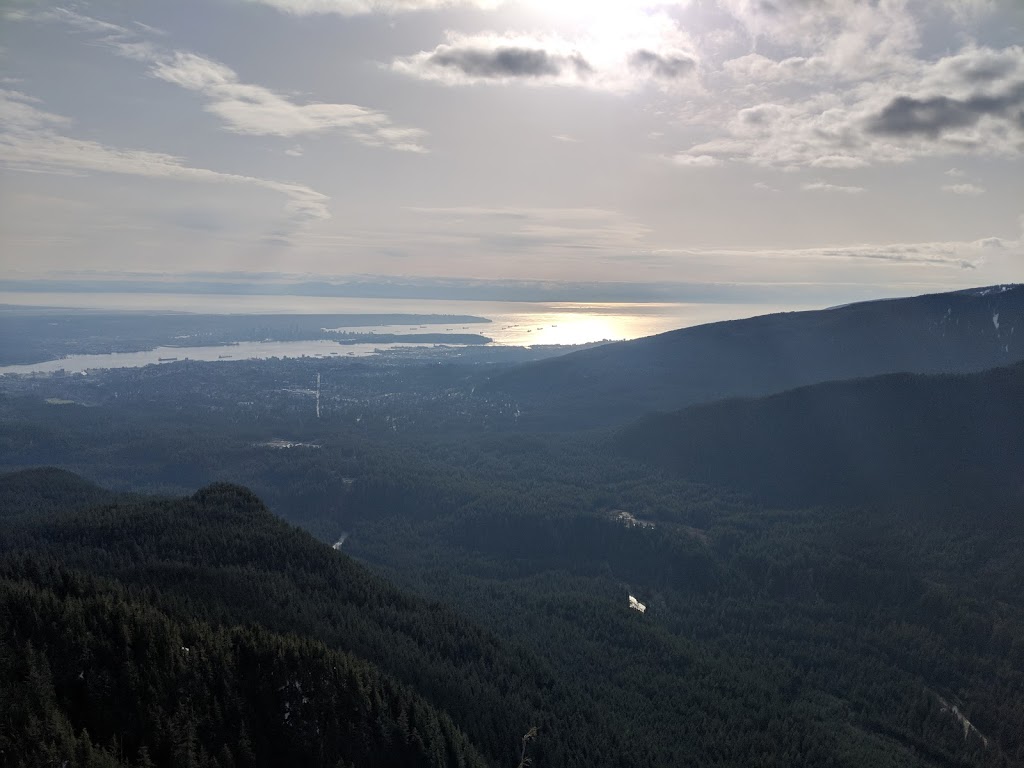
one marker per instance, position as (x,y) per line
(512,383)
(789,153)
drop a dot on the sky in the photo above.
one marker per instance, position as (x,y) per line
(810,149)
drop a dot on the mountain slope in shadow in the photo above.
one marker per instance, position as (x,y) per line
(940,439)
(610,385)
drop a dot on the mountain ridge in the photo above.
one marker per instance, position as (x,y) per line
(947,438)
(956,332)
(220,561)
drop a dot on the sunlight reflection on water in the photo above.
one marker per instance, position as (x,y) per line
(511,323)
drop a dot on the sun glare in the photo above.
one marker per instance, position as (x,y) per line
(607,31)
(584,12)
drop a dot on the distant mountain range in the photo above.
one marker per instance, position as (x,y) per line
(956,332)
(945,441)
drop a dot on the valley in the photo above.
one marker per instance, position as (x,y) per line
(808,598)
(512,384)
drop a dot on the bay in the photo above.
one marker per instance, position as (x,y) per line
(511,323)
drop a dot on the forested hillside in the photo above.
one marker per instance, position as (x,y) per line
(96,676)
(830,576)
(612,384)
(806,638)
(204,631)
(950,440)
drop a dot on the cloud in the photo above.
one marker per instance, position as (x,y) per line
(968,190)
(365,7)
(970,10)
(465,60)
(695,161)
(837,39)
(395,7)
(72,18)
(931,117)
(258,111)
(969,103)
(955,255)
(243,108)
(538,230)
(840,162)
(972,101)
(29,142)
(842,85)
(643,48)
(506,62)
(660,65)
(19,113)
(821,186)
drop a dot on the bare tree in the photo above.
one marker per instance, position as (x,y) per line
(524,761)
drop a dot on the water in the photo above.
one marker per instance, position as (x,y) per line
(512,323)
(245,350)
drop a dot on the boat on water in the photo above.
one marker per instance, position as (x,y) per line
(166,359)
(223,357)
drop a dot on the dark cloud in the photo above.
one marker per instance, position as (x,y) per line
(907,116)
(508,62)
(986,71)
(664,67)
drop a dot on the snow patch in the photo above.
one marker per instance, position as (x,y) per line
(992,289)
(297,687)
(995,320)
(628,520)
(636,605)
(963,721)
(337,545)
(282,444)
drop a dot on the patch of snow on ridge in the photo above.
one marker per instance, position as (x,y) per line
(995,320)
(994,289)
(636,605)
(628,520)
(964,723)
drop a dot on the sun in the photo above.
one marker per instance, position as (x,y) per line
(607,31)
(599,13)
(584,11)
